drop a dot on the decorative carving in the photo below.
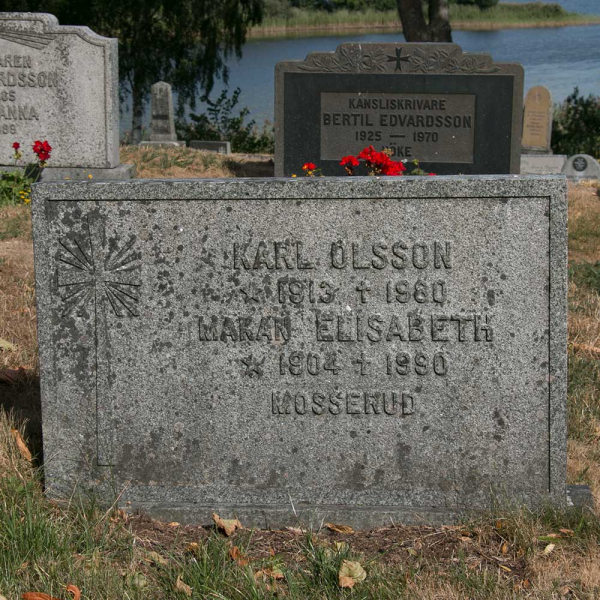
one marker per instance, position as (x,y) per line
(27,38)
(409,58)
(86,270)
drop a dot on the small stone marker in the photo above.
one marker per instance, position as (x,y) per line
(212,146)
(454,112)
(582,166)
(542,164)
(355,349)
(163,120)
(59,84)
(537,121)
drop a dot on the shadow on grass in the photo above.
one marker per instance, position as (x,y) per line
(22,399)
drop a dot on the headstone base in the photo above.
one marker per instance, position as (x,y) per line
(163,144)
(542,164)
(536,151)
(212,146)
(53,174)
(366,517)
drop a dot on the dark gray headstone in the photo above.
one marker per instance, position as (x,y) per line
(454,112)
(212,146)
(356,348)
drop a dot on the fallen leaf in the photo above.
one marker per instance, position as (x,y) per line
(549,549)
(595,352)
(21,445)
(341,546)
(272,551)
(236,554)
(6,345)
(11,376)
(464,538)
(504,548)
(274,573)
(350,574)
(526,584)
(173,524)
(339,528)
(505,568)
(228,526)
(553,535)
(183,587)
(73,589)
(565,590)
(567,531)
(295,530)
(192,547)
(156,558)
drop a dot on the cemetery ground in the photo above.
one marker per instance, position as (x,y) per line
(108,554)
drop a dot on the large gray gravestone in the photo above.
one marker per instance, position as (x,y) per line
(454,112)
(357,349)
(59,84)
(162,132)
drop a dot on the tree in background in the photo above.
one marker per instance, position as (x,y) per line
(183,42)
(414,26)
(576,125)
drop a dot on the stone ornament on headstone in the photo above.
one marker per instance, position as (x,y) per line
(582,166)
(362,350)
(162,127)
(212,146)
(454,112)
(59,83)
(542,164)
(537,121)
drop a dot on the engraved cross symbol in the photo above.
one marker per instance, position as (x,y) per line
(253,366)
(362,288)
(398,59)
(363,362)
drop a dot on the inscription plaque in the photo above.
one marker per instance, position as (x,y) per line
(454,112)
(430,127)
(365,349)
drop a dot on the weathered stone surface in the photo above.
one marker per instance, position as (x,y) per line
(542,164)
(163,121)
(212,146)
(60,84)
(454,112)
(537,120)
(582,166)
(352,348)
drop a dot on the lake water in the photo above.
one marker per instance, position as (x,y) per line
(559,58)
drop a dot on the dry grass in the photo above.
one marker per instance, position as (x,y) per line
(177,163)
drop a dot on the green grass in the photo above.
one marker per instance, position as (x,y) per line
(461,17)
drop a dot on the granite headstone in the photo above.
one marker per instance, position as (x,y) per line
(162,127)
(59,84)
(357,349)
(454,112)
(537,121)
(582,166)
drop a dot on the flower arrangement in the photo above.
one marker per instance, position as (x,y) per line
(376,163)
(15,186)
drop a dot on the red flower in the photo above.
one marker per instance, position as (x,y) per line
(367,153)
(309,166)
(432,173)
(393,168)
(42,149)
(16,145)
(349,161)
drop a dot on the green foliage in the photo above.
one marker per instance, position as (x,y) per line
(576,125)
(15,186)
(585,275)
(219,123)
